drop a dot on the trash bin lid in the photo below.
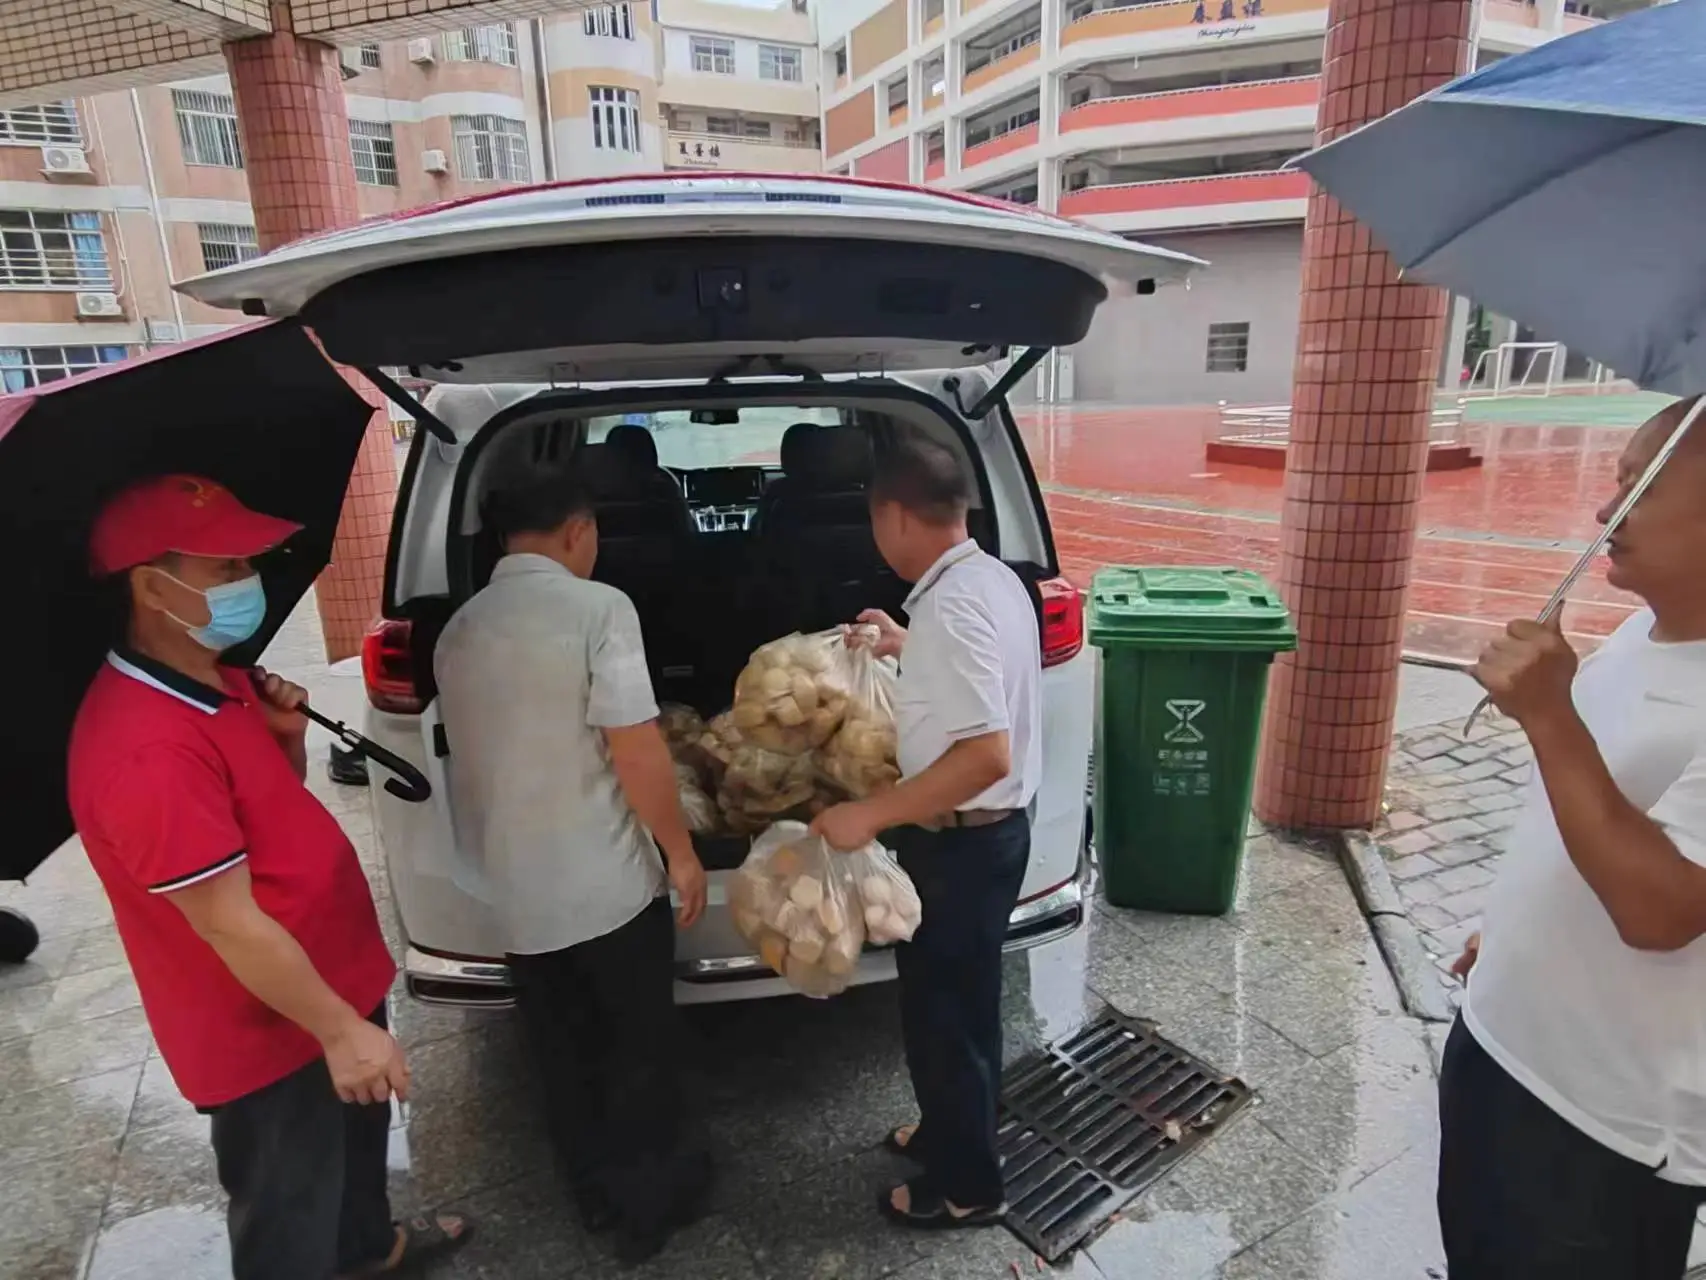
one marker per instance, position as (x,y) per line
(1187,608)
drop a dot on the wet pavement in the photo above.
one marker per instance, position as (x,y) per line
(1132,486)
(1330,1175)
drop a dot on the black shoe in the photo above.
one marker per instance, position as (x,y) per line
(597,1214)
(347,768)
(684,1186)
(18,937)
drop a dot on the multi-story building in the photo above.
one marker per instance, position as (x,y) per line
(1165,119)
(105,200)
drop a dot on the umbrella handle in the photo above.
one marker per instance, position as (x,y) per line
(1645,482)
(409,784)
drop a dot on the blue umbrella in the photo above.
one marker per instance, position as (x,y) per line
(1563,187)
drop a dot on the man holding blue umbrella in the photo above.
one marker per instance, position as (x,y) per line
(1573,1087)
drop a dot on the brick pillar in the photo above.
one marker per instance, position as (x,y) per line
(1367,357)
(290,106)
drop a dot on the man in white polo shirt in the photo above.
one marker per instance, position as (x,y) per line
(969,724)
(564,787)
(1573,1089)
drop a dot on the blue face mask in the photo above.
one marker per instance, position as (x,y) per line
(235,612)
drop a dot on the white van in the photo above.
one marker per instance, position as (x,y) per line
(723,354)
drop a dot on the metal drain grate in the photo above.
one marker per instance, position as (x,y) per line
(1089,1123)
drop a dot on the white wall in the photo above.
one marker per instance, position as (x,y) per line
(1154,350)
(835,18)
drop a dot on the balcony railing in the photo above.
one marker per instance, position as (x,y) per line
(1185,193)
(1180,104)
(897,115)
(55,269)
(935,168)
(993,70)
(1000,145)
(1165,15)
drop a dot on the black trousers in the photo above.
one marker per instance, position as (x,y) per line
(968,881)
(305,1173)
(600,1022)
(1525,1195)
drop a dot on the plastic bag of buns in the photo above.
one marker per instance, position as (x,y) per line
(792,900)
(717,746)
(860,756)
(760,786)
(683,728)
(697,808)
(888,900)
(793,692)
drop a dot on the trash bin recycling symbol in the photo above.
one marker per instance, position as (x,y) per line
(1184,711)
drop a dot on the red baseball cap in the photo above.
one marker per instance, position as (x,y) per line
(189,515)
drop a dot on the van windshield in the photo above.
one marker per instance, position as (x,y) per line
(750,436)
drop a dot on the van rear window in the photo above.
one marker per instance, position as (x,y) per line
(753,438)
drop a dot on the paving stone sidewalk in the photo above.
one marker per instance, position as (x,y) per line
(1450,803)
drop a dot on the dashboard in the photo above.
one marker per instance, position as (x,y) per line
(725,499)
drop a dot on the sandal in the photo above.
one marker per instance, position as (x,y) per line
(423,1239)
(927,1211)
(908,1146)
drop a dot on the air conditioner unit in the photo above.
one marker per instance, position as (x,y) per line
(433,160)
(420,51)
(64,160)
(98,304)
(800,6)
(161,331)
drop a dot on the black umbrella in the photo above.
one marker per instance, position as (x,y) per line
(259,409)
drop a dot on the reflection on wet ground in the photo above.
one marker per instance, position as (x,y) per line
(1129,485)
(109,1175)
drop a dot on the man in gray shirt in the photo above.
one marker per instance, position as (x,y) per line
(565,793)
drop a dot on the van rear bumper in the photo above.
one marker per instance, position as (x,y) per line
(464,981)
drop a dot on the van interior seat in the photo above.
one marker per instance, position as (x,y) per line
(645,534)
(817,532)
(795,445)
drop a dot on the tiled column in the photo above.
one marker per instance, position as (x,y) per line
(1367,357)
(290,106)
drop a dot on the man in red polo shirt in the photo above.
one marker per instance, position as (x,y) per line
(243,910)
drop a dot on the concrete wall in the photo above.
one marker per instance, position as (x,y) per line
(1154,350)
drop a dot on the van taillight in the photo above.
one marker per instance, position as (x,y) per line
(1063,621)
(388,668)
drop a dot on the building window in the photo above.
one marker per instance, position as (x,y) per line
(494,43)
(54,122)
(713,55)
(24,367)
(207,128)
(490,149)
(778,62)
(613,20)
(225,244)
(615,119)
(374,151)
(755,129)
(367,56)
(42,250)
(1229,347)
(840,56)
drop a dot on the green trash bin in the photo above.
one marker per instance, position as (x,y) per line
(1185,657)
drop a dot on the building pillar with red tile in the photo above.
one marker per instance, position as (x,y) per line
(1368,353)
(295,130)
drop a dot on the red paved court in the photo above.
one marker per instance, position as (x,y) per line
(1131,486)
